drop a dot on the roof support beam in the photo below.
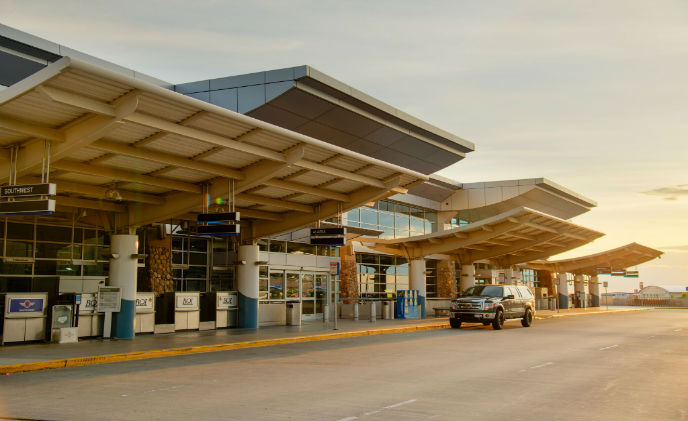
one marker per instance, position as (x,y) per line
(274,202)
(31,129)
(97,192)
(77,135)
(121,175)
(328,209)
(302,188)
(166,158)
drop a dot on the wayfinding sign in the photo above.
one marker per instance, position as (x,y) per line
(26,190)
(219,224)
(27,207)
(328,236)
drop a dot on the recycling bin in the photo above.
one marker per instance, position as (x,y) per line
(294,313)
(186,311)
(62,324)
(24,317)
(144,321)
(90,321)
(407,304)
(227,310)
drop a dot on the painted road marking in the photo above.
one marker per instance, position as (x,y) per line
(398,404)
(608,347)
(542,365)
(677,330)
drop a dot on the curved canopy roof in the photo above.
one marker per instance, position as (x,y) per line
(150,154)
(509,238)
(615,259)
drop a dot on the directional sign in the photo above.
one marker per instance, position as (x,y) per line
(328,236)
(618,273)
(631,274)
(219,217)
(24,190)
(28,207)
(219,229)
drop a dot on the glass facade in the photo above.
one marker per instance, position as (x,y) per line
(380,276)
(32,251)
(395,220)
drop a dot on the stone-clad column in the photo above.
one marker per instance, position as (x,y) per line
(348,275)
(446,279)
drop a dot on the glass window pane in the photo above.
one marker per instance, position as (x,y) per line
(263,288)
(90,236)
(198,259)
(66,268)
(370,258)
(177,243)
(292,285)
(19,249)
(56,234)
(263,272)
(368,216)
(196,272)
(300,248)
(386,219)
(177,258)
(276,285)
(198,244)
(307,285)
(402,209)
(15,268)
(353,215)
(194,285)
(402,222)
(417,225)
(20,231)
(15,284)
(278,246)
(90,252)
(53,251)
(99,269)
(263,245)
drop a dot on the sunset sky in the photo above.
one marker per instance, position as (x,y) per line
(591,95)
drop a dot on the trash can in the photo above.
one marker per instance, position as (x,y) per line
(186,311)
(90,321)
(294,314)
(61,325)
(388,310)
(145,312)
(226,310)
(401,299)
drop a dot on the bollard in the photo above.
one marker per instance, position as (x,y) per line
(326,313)
(372,311)
(356,310)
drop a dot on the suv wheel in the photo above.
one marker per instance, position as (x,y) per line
(455,323)
(498,321)
(527,320)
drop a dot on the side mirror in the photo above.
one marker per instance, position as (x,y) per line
(509,297)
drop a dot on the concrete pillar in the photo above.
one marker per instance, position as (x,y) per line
(467,277)
(446,279)
(123,269)
(563,291)
(417,281)
(509,278)
(247,285)
(579,288)
(594,288)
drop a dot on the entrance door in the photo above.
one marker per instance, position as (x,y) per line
(313,295)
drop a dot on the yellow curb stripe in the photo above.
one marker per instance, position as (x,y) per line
(168,352)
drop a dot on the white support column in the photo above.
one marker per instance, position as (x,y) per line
(123,269)
(247,285)
(563,291)
(579,288)
(594,288)
(467,279)
(509,276)
(417,281)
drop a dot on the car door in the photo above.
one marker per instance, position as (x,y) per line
(514,305)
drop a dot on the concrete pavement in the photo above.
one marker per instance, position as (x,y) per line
(622,366)
(31,357)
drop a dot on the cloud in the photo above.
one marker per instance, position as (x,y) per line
(669,193)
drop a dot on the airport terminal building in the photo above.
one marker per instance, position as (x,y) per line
(142,167)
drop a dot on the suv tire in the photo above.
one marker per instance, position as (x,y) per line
(454,323)
(527,320)
(498,321)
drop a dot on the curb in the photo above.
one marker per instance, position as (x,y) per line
(168,352)
(561,315)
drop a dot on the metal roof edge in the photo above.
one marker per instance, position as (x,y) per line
(559,189)
(338,85)
(48,72)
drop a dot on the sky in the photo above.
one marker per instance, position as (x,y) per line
(591,95)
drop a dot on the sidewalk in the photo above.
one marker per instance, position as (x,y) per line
(39,356)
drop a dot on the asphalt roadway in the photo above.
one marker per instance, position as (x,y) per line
(608,366)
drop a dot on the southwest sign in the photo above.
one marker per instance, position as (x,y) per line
(28,207)
(26,190)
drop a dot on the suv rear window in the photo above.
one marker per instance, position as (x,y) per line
(525,292)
